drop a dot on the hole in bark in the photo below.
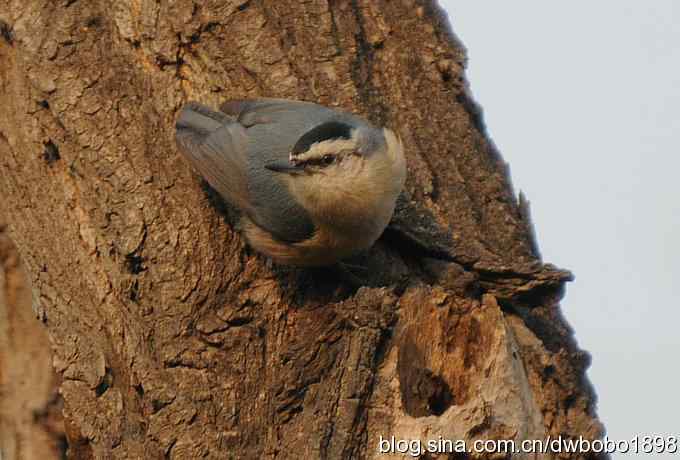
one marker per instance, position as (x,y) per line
(446,75)
(423,393)
(440,397)
(105,384)
(44,104)
(6,32)
(94,21)
(134,264)
(51,152)
(140,390)
(548,372)
(101,388)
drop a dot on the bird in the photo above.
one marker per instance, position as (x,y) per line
(314,185)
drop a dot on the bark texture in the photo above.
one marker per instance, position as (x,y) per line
(174,340)
(31,427)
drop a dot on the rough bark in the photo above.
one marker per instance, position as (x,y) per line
(30,407)
(172,338)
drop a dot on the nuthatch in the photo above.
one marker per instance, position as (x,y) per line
(314,185)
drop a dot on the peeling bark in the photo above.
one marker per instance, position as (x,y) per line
(173,339)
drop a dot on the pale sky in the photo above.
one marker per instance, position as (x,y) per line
(583,100)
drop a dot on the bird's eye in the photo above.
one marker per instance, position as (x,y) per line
(327,159)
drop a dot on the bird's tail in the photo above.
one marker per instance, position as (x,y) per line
(215,144)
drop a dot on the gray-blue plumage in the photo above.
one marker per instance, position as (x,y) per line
(231,149)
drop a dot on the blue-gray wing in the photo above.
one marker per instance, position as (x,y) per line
(300,116)
(230,150)
(216,145)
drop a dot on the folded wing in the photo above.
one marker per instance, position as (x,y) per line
(216,145)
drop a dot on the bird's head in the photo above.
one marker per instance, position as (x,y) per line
(330,148)
(338,169)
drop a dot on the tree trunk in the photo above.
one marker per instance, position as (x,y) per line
(173,339)
(30,408)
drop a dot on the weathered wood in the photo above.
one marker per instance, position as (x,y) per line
(173,339)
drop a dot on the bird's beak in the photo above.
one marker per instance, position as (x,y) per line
(284,167)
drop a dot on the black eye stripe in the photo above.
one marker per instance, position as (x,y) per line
(326,160)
